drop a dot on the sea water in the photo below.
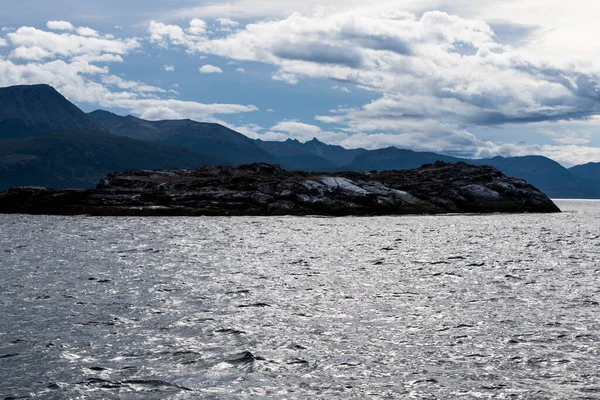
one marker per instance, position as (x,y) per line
(440,307)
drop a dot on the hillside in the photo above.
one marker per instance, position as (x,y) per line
(207,138)
(81,159)
(35,110)
(46,140)
(392,158)
(590,172)
(292,155)
(554,179)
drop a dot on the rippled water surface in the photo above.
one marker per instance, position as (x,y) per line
(475,306)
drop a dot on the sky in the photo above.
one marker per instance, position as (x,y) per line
(471,78)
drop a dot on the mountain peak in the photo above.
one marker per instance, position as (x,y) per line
(37,86)
(37,110)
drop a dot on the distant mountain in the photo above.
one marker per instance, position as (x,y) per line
(313,155)
(81,159)
(392,158)
(548,175)
(46,140)
(337,154)
(590,172)
(35,110)
(292,155)
(207,138)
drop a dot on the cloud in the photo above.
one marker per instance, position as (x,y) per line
(434,77)
(453,141)
(317,52)
(285,77)
(567,155)
(240,70)
(169,68)
(197,27)
(36,44)
(82,82)
(304,132)
(341,88)
(100,58)
(72,62)
(210,69)
(567,136)
(445,67)
(254,131)
(139,87)
(251,9)
(226,22)
(30,53)
(60,25)
(513,33)
(159,113)
(85,31)
(3,43)
(163,35)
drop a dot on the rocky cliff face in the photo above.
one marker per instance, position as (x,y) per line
(264,189)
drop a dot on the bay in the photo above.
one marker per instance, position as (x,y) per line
(454,306)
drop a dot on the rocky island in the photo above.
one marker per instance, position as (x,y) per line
(265,189)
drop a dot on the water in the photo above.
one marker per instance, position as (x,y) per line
(460,306)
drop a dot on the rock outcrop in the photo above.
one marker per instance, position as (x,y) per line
(265,189)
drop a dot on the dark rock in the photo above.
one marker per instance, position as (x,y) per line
(265,189)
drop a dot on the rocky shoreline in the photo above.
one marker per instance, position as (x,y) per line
(265,189)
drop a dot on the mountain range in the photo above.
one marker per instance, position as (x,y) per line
(45,140)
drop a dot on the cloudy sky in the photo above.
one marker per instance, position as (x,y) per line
(475,78)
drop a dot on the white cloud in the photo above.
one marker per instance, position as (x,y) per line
(455,142)
(68,61)
(304,132)
(36,44)
(3,43)
(85,31)
(30,53)
(285,77)
(139,87)
(163,34)
(341,88)
(82,82)
(567,155)
(60,25)
(446,67)
(169,68)
(228,22)
(567,136)
(160,112)
(197,27)
(436,76)
(250,9)
(241,70)
(101,58)
(210,69)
